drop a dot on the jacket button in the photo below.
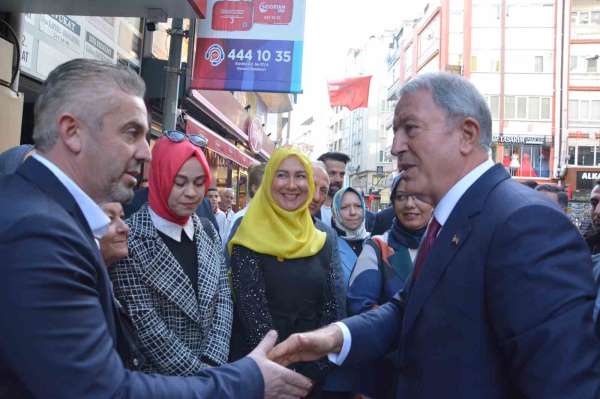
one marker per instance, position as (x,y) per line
(136,362)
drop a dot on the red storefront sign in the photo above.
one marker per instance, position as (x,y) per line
(232,16)
(218,144)
(273,12)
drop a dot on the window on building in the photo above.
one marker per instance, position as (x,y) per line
(584,18)
(572,155)
(592,64)
(585,155)
(573,110)
(573,63)
(533,108)
(573,18)
(381,156)
(584,110)
(595,18)
(521,107)
(545,111)
(495,106)
(509,107)
(539,63)
(474,63)
(595,114)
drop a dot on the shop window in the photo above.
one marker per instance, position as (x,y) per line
(585,155)
(527,160)
(545,114)
(521,107)
(572,155)
(539,64)
(533,111)
(509,107)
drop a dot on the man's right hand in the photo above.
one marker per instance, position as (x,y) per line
(308,346)
(279,382)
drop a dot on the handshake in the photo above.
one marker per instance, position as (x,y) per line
(272,360)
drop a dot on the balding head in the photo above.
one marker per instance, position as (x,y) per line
(321,179)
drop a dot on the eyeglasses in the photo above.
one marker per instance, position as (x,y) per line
(177,137)
(402,197)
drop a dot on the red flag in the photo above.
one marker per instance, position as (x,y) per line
(351,93)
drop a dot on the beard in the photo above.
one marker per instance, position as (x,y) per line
(334,188)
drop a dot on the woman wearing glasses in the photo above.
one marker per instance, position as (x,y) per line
(283,269)
(174,282)
(381,270)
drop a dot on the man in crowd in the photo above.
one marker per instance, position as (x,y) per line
(502,290)
(255,175)
(226,205)
(214,198)
(555,193)
(335,163)
(592,233)
(321,188)
(59,334)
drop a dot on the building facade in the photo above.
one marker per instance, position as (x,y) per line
(535,62)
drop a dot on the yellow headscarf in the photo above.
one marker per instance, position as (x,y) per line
(268,229)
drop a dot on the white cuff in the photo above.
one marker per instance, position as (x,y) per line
(338,358)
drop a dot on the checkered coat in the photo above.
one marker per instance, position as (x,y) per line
(180,331)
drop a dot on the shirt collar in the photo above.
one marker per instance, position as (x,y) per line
(445,207)
(93,214)
(170,229)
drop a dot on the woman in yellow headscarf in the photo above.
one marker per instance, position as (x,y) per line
(285,272)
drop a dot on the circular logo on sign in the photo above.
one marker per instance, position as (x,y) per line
(215,55)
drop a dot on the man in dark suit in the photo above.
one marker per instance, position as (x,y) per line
(56,304)
(500,302)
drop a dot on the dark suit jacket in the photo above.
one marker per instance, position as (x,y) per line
(56,311)
(383,221)
(502,308)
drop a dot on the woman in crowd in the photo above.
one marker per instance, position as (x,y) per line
(113,244)
(382,270)
(348,219)
(282,269)
(174,282)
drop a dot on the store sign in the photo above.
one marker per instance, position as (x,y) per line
(50,40)
(535,140)
(236,48)
(586,179)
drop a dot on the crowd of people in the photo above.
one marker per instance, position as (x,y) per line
(468,285)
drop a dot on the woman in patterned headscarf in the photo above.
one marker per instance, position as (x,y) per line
(283,269)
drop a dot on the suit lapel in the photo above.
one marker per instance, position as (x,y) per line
(450,240)
(163,272)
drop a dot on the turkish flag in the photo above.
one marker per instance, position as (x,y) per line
(351,93)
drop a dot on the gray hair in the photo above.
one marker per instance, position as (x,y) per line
(458,97)
(228,190)
(83,88)
(320,165)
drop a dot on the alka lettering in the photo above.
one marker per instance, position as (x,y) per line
(590,176)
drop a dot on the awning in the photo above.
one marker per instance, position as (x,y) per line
(224,109)
(218,144)
(113,8)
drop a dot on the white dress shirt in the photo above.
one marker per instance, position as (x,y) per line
(170,229)
(441,213)
(326,215)
(93,214)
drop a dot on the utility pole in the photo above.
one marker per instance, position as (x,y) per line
(173,75)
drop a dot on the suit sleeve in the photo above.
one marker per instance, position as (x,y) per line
(55,338)
(220,331)
(384,323)
(162,347)
(540,300)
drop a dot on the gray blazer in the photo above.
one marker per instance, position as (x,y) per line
(180,331)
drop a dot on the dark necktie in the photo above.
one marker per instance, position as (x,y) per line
(432,232)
